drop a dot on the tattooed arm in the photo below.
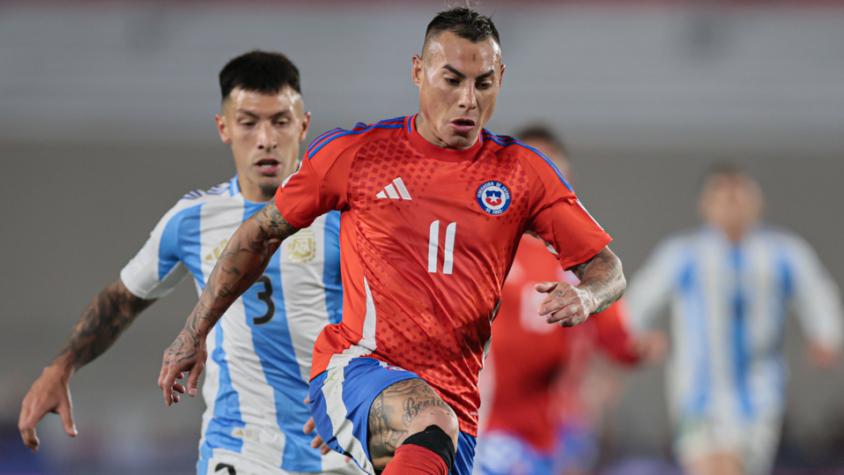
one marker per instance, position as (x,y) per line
(243,260)
(111,311)
(601,283)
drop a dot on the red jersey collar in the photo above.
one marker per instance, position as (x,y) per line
(434,151)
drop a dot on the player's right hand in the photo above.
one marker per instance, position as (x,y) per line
(186,353)
(49,393)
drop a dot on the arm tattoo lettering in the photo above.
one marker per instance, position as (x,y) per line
(102,322)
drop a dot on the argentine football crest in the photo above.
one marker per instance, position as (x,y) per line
(494,197)
(301,247)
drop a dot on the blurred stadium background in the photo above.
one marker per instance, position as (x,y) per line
(106,112)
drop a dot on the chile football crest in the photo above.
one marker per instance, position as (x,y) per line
(494,197)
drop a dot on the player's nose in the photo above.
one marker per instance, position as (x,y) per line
(468,97)
(267,139)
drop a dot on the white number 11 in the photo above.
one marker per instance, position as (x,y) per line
(434,246)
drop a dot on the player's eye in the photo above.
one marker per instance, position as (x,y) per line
(452,81)
(282,122)
(485,85)
(247,123)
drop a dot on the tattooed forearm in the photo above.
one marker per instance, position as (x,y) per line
(603,277)
(243,260)
(111,311)
(273,223)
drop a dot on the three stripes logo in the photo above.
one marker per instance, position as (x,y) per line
(394,191)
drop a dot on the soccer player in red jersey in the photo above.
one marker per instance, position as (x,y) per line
(535,372)
(433,208)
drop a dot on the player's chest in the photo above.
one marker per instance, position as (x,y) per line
(410,195)
(309,247)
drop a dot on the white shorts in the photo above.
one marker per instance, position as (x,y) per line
(755,442)
(224,462)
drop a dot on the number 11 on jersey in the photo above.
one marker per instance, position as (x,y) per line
(434,247)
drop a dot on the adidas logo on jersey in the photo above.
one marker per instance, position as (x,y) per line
(394,191)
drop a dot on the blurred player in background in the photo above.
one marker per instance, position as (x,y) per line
(535,420)
(730,284)
(260,355)
(433,209)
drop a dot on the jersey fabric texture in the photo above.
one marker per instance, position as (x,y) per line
(533,374)
(427,236)
(341,398)
(259,353)
(728,305)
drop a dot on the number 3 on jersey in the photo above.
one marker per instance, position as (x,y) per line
(265,296)
(434,247)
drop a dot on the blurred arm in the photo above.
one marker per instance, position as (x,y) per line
(650,288)
(818,303)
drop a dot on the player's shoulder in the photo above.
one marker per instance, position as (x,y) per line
(193,200)
(782,239)
(511,148)
(337,140)
(221,191)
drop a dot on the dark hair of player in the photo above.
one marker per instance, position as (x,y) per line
(544,133)
(259,71)
(463,22)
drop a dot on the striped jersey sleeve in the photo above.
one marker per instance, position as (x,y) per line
(815,295)
(651,288)
(157,267)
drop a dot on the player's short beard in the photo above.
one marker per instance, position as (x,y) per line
(268,190)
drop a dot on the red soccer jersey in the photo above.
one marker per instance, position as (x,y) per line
(529,355)
(427,236)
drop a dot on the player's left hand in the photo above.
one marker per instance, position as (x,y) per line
(565,304)
(317,441)
(186,353)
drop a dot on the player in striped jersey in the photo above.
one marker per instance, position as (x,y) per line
(730,284)
(260,356)
(433,207)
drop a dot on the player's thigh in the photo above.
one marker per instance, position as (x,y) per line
(403,409)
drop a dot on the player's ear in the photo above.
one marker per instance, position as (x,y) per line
(417,70)
(501,74)
(222,129)
(306,124)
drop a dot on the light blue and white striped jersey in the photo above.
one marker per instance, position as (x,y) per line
(728,305)
(259,354)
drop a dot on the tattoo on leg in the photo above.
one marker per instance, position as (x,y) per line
(392,413)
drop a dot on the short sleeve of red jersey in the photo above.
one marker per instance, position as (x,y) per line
(558,217)
(320,185)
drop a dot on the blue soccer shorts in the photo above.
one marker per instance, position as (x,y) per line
(340,399)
